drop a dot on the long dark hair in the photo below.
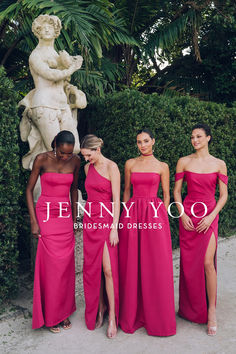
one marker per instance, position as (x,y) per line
(63,137)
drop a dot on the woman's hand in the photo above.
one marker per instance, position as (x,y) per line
(35,230)
(114,239)
(187,222)
(205,223)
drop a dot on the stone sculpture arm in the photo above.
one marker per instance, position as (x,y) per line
(42,68)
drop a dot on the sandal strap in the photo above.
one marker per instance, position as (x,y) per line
(66,322)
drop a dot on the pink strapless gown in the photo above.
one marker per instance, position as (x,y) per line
(193,245)
(98,190)
(145,263)
(54,277)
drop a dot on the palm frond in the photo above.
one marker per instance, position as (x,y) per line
(166,36)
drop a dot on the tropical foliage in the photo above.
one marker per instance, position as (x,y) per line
(125,43)
(212,77)
(9,188)
(89,28)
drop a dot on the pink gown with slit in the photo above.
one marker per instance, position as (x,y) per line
(96,231)
(54,277)
(193,245)
(145,261)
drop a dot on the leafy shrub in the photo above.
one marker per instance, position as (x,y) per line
(9,188)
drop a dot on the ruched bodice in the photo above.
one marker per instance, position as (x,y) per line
(56,184)
(145,184)
(98,188)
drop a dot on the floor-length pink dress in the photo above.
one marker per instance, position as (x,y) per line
(145,261)
(193,245)
(54,277)
(96,231)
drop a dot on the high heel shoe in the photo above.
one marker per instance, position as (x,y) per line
(111,329)
(100,318)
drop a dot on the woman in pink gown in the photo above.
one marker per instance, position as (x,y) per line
(52,223)
(198,228)
(100,236)
(145,252)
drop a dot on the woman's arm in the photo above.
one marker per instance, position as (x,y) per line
(86,167)
(74,189)
(186,220)
(114,174)
(178,185)
(165,184)
(205,222)
(29,194)
(126,195)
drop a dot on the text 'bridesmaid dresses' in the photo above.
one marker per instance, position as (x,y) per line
(96,231)
(193,245)
(145,262)
(54,278)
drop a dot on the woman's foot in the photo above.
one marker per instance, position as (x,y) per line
(66,324)
(211,324)
(100,317)
(55,329)
(111,329)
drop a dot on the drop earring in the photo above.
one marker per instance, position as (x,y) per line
(55,153)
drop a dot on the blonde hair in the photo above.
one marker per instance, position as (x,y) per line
(91,142)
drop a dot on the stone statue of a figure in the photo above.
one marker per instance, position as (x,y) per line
(52,105)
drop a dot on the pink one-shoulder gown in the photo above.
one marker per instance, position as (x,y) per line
(54,277)
(145,261)
(96,231)
(193,245)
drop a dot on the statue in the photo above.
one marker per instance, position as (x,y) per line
(52,105)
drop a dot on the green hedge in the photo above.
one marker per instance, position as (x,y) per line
(9,188)
(118,117)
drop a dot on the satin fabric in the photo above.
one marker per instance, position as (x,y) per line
(96,231)
(145,262)
(193,245)
(54,277)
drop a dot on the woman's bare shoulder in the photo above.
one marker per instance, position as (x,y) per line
(222,168)
(164,166)
(129,163)
(112,165)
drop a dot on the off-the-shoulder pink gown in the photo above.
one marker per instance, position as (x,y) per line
(193,245)
(145,261)
(96,231)
(54,277)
